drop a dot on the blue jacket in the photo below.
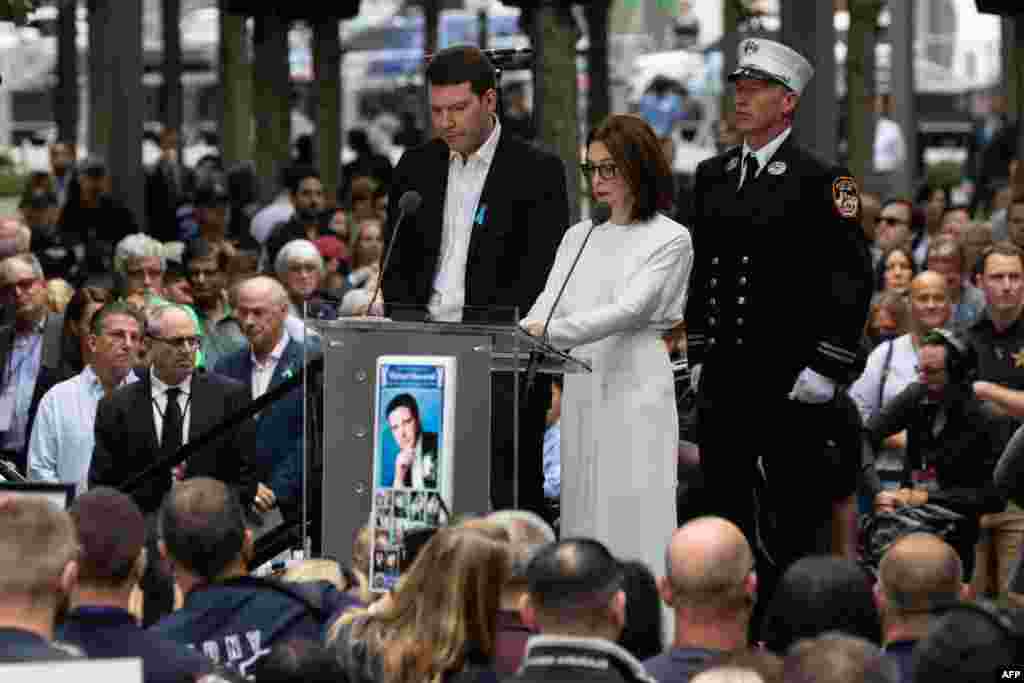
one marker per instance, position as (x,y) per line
(235,622)
(279,428)
(107,632)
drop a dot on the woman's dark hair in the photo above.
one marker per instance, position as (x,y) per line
(880,271)
(818,594)
(642,164)
(642,634)
(459,64)
(71,350)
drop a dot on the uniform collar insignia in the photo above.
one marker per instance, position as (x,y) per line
(731,165)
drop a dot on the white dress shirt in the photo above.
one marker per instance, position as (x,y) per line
(262,372)
(465,185)
(159,394)
(763,155)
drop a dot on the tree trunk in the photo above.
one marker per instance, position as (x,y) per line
(235,90)
(599,92)
(171,99)
(860,86)
(733,14)
(271,99)
(327,75)
(553,33)
(65,109)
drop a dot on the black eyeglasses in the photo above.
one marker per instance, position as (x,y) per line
(179,343)
(605,171)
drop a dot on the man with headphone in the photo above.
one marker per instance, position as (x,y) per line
(952,445)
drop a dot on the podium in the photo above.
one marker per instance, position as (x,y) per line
(351,348)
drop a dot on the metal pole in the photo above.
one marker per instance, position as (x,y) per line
(65,100)
(901,38)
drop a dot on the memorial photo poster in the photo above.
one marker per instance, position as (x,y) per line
(413,456)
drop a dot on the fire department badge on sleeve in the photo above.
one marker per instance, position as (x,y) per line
(846,196)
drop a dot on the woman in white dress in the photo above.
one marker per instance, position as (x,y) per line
(619,427)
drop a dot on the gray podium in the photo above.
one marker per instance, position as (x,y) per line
(351,347)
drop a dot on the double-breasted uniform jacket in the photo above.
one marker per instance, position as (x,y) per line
(782,275)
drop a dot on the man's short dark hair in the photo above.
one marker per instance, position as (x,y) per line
(99,319)
(1003,248)
(574,573)
(203,526)
(817,594)
(459,64)
(970,642)
(298,174)
(111,535)
(201,248)
(403,401)
(298,660)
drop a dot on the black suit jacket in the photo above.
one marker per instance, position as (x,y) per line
(782,278)
(521,217)
(126,440)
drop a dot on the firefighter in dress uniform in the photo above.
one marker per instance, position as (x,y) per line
(780,293)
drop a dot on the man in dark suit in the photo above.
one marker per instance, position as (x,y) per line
(773,225)
(270,358)
(494,210)
(30,353)
(169,406)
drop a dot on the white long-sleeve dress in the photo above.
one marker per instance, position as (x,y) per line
(619,424)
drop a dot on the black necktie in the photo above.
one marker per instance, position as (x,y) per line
(751,166)
(171,441)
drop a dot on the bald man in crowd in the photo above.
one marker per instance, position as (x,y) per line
(270,358)
(918,573)
(711,587)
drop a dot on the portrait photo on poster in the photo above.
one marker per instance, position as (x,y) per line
(414,423)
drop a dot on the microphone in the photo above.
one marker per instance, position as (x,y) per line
(601,213)
(408,205)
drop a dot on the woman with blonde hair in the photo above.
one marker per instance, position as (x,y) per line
(440,624)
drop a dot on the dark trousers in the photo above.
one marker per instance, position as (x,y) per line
(531,442)
(766,468)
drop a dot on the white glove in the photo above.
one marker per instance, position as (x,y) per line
(812,387)
(695,375)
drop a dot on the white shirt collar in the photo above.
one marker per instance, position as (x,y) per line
(275,354)
(765,154)
(159,388)
(486,152)
(93,380)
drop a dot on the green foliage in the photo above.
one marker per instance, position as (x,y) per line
(17,10)
(12,183)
